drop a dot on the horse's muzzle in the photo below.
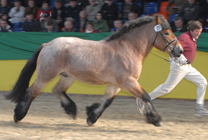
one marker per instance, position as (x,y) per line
(177,51)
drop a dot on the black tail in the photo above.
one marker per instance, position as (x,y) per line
(19,91)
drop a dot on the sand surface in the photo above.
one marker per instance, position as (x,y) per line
(46,120)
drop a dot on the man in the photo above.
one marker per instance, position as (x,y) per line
(117,24)
(68,27)
(178,25)
(30,25)
(58,13)
(72,11)
(92,10)
(17,13)
(46,18)
(4,27)
(32,8)
(189,11)
(80,23)
(181,68)
(4,8)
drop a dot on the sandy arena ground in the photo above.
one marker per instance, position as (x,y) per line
(46,120)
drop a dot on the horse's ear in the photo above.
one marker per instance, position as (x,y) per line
(158,20)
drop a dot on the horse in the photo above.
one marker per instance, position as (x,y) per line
(115,61)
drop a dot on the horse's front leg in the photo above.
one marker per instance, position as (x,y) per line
(147,107)
(94,111)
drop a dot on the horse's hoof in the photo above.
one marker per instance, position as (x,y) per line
(158,124)
(73,117)
(15,119)
(89,122)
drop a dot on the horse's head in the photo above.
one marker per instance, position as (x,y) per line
(165,40)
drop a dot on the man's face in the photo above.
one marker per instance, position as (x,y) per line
(17,4)
(31,3)
(73,3)
(3,24)
(57,5)
(196,33)
(3,3)
(69,25)
(83,14)
(191,1)
(117,24)
(178,23)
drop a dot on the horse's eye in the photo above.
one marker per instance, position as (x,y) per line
(166,33)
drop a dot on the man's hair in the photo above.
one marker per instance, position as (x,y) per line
(193,25)
(178,18)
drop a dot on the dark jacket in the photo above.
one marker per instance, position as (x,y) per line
(5,9)
(33,26)
(55,11)
(189,12)
(72,11)
(77,25)
(109,12)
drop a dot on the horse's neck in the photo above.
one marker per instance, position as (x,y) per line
(140,40)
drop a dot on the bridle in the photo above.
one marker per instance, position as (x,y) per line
(158,29)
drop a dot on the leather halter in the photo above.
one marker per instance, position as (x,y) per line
(167,43)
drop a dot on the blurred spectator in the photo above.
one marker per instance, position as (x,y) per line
(177,6)
(32,8)
(45,8)
(100,24)
(5,17)
(132,16)
(117,24)
(45,19)
(72,11)
(178,25)
(109,12)
(68,27)
(50,27)
(92,10)
(30,25)
(89,28)
(4,8)
(189,11)
(17,13)
(80,23)
(58,13)
(4,27)
(128,7)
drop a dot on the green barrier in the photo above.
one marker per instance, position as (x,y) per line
(21,45)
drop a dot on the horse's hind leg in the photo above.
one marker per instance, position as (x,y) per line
(94,111)
(22,106)
(43,77)
(60,89)
(148,109)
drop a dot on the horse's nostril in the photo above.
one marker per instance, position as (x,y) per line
(181,51)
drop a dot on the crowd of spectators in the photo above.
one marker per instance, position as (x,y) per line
(91,16)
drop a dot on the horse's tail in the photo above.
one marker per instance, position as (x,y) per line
(19,91)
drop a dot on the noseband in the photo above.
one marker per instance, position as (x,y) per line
(158,29)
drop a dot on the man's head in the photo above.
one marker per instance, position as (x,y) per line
(29,16)
(109,2)
(31,3)
(195,27)
(82,14)
(68,24)
(128,1)
(117,24)
(57,4)
(3,24)
(178,22)
(17,3)
(3,3)
(92,2)
(132,16)
(45,5)
(73,3)
(89,26)
(191,1)
(99,16)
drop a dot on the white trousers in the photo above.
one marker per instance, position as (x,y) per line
(177,73)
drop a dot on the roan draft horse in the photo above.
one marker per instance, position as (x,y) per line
(116,61)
